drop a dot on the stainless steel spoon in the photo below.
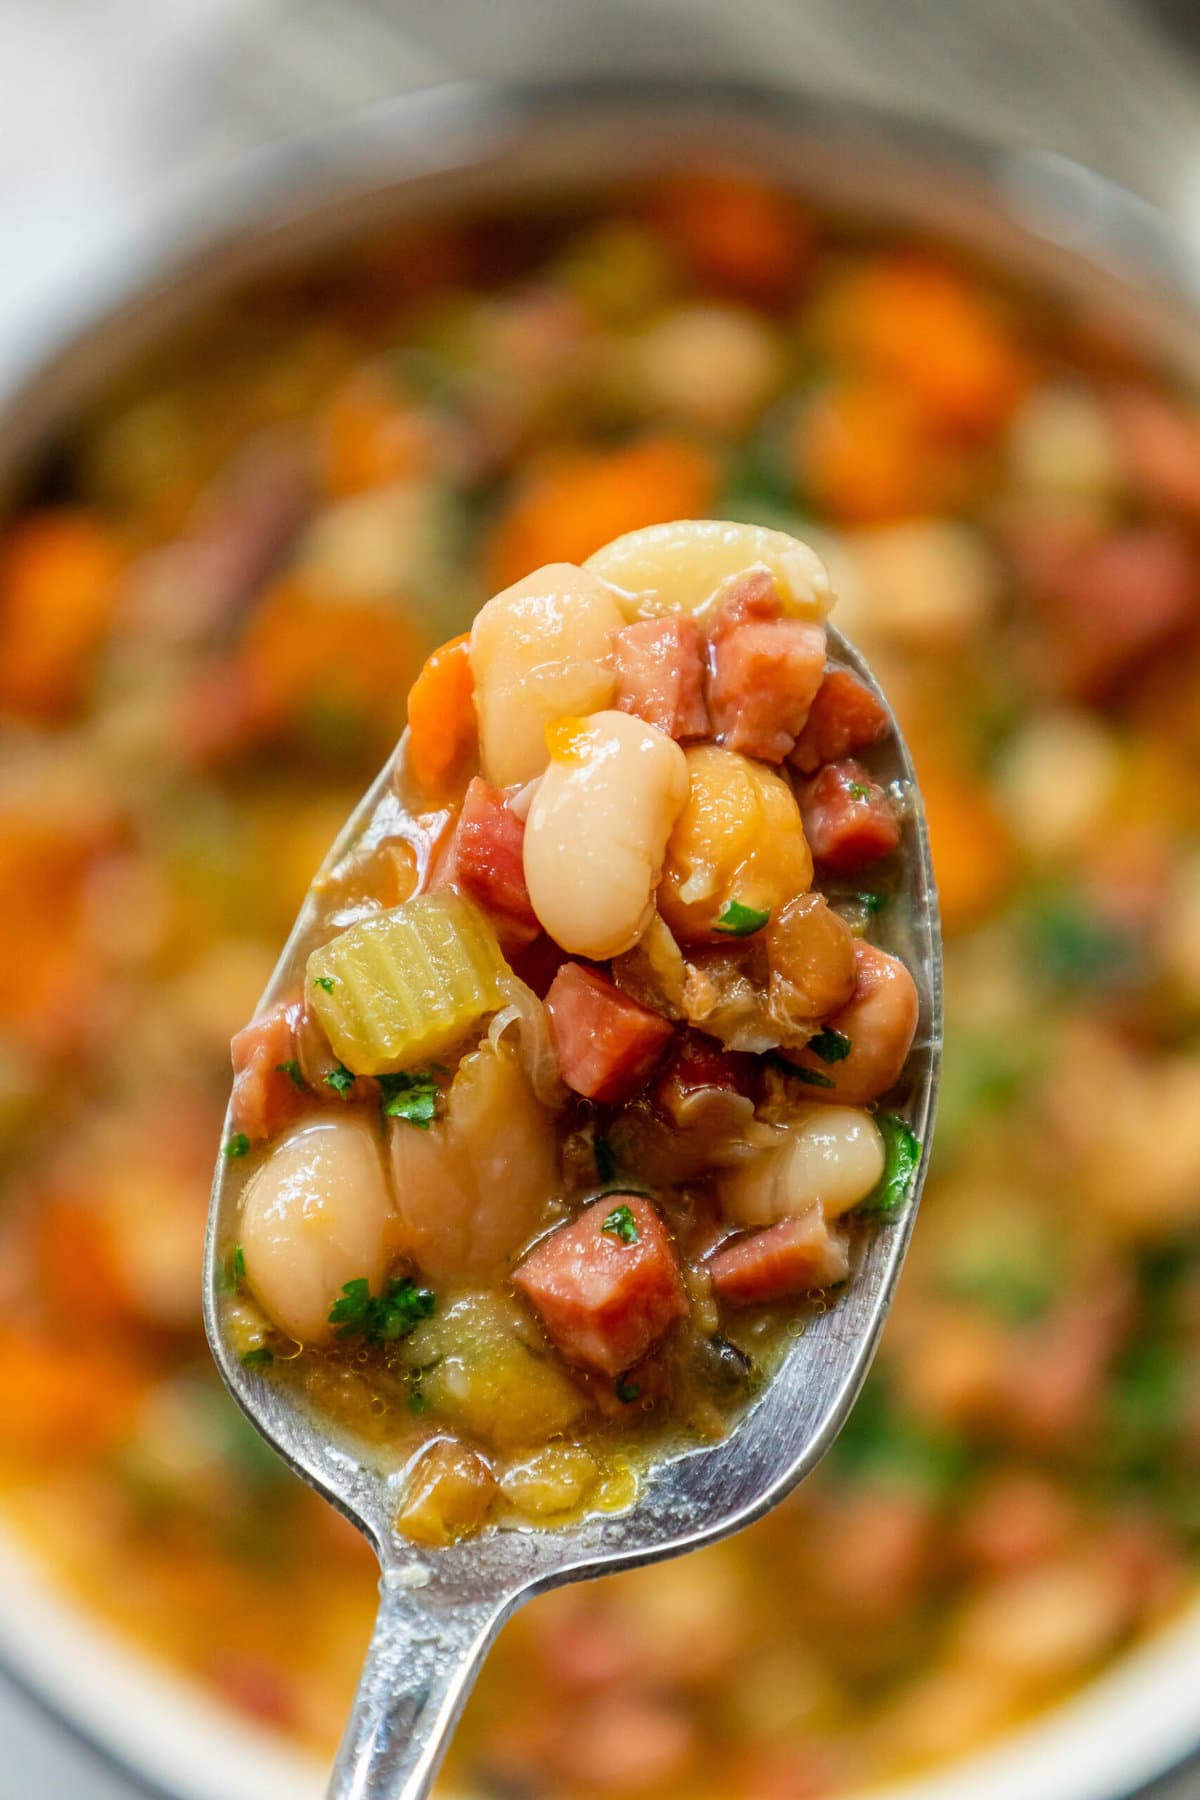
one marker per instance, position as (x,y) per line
(439,1611)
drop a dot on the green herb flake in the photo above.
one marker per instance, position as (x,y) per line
(232,1270)
(411,1096)
(627,1391)
(831,1046)
(236,1146)
(741,921)
(292,1070)
(621,1223)
(812,1078)
(1007,1289)
(417,1403)
(1072,947)
(324,981)
(885,1446)
(872,903)
(257,1359)
(381,1318)
(902,1158)
(858,790)
(340,1079)
(606,1160)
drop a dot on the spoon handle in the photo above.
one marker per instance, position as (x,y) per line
(424,1655)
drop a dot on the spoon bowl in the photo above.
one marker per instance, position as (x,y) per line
(440,1610)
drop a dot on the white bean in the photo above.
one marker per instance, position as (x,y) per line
(686,565)
(1057,781)
(708,365)
(597,831)
(928,584)
(539,650)
(314,1217)
(1062,445)
(829,1156)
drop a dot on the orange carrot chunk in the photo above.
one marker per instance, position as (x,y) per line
(441,717)
(59,578)
(737,234)
(569,507)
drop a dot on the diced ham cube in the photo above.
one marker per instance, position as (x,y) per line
(608,1044)
(845,717)
(265,1095)
(660,674)
(1104,603)
(1158,441)
(605,1301)
(781,1262)
(848,819)
(485,861)
(766,671)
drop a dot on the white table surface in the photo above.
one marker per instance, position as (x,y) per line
(111,109)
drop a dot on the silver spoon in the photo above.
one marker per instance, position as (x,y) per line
(439,1611)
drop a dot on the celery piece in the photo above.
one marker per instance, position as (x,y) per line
(406,984)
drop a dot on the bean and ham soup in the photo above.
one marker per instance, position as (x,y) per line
(546,1159)
(215,595)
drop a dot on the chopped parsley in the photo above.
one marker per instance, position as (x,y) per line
(811,1077)
(831,1046)
(416,1400)
(873,903)
(232,1271)
(291,1069)
(237,1145)
(627,1391)
(858,790)
(324,981)
(901,1160)
(340,1079)
(622,1224)
(381,1318)
(741,921)
(884,1446)
(606,1160)
(1072,947)
(257,1359)
(411,1096)
(1006,1286)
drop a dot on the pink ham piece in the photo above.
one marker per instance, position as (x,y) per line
(845,717)
(766,671)
(604,1301)
(783,1261)
(1158,440)
(608,1045)
(660,675)
(848,819)
(485,862)
(1103,604)
(265,1096)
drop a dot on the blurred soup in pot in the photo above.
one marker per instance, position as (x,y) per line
(212,602)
